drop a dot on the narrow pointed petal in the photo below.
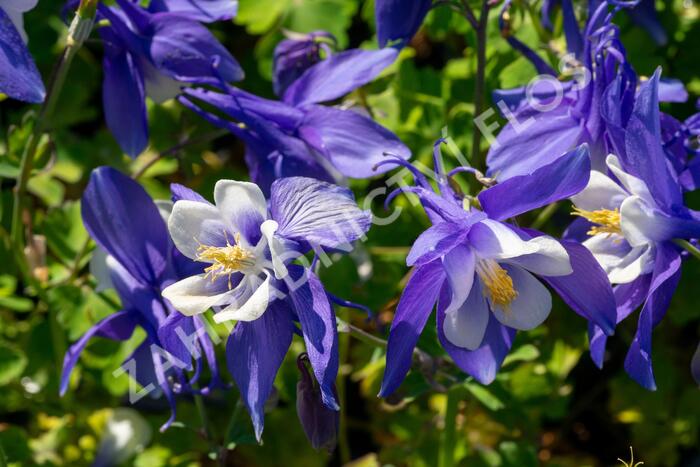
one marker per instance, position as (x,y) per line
(337,75)
(317,213)
(254,353)
(124,99)
(19,77)
(434,242)
(412,313)
(118,326)
(666,276)
(353,143)
(560,179)
(319,328)
(125,222)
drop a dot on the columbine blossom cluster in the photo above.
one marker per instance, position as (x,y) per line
(251,256)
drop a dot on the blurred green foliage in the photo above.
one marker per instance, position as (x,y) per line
(548,406)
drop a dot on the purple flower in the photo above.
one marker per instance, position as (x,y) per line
(247,249)
(204,11)
(399,20)
(154,54)
(299,137)
(320,423)
(19,77)
(632,218)
(139,261)
(486,275)
(294,55)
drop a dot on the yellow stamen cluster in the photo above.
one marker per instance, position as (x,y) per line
(498,285)
(607,221)
(226,260)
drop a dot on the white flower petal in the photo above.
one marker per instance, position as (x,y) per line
(196,294)
(254,306)
(241,204)
(640,223)
(278,252)
(600,193)
(638,261)
(459,265)
(551,258)
(100,269)
(633,184)
(532,305)
(192,224)
(466,326)
(493,239)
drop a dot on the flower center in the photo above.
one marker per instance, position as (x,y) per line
(498,285)
(607,221)
(225,260)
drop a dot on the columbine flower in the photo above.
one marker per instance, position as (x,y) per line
(631,224)
(153,54)
(299,137)
(399,20)
(140,260)
(19,77)
(248,275)
(486,274)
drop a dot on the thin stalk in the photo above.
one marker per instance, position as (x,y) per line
(79,31)
(202,410)
(446,455)
(689,247)
(479,87)
(544,215)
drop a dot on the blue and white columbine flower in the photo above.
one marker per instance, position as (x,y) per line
(19,77)
(486,275)
(632,217)
(247,247)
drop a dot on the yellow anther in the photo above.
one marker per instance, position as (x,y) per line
(226,260)
(607,221)
(498,285)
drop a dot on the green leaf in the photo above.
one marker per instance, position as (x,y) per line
(12,363)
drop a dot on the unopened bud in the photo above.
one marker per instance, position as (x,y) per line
(318,421)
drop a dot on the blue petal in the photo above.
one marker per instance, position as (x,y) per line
(318,326)
(184,49)
(294,56)
(483,363)
(547,184)
(176,335)
(587,290)
(118,326)
(399,20)
(412,313)
(665,279)
(19,77)
(316,212)
(338,75)
(672,90)
(123,97)
(124,221)
(181,192)
(254,353)
(205,11)
(574,38)
(353,143)
(644,154)
(435,242)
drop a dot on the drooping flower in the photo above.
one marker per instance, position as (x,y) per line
(399,20)
(140,262)
(248,249)
(155,53)
(19,77)
(632,218)
(300,137)
(486,275)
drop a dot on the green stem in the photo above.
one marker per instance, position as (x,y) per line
(689,247)
(206,425)
(446,455)
(79,31)
(544,215)
(479,86)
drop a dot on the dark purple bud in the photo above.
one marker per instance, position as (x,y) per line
(294,55)
(319,422)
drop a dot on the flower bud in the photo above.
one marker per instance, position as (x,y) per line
(319,422)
